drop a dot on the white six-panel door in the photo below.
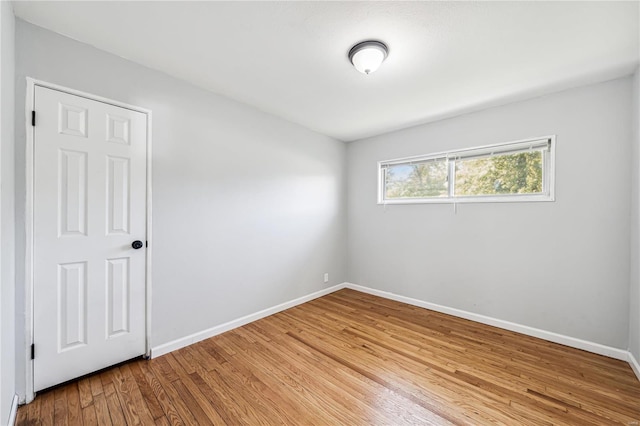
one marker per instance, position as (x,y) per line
(89,207)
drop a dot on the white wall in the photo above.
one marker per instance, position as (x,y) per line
(559,266)
(634,290)
(248,209)
(7,277)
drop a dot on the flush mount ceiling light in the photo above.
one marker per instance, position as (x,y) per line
(367,56)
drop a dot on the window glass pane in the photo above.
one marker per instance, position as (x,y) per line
(519,173)
(423,180)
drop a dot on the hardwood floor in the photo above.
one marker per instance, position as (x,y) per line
(354,359)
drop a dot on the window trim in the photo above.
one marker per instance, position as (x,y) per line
(548,173)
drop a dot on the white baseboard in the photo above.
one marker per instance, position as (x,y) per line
(14,411)
(219,329)
(507,325)
(529,331)
(635,366)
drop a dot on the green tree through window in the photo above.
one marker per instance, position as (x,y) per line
(502,174)
(417,180)
(515,171)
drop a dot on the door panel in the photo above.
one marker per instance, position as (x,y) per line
(117,296)
(72,305)
(118,195)
(72,193)
(89,206)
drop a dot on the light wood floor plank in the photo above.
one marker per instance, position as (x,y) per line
(102,410)
(147,393)
(161,396)
(174,404)
(89,415)
(61,412)
(84,389)
(351,358)
(113,404)
(47,409)
(73,400)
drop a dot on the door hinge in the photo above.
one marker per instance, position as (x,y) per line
(33,351)
(33,118)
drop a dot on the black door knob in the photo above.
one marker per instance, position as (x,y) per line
(137,244)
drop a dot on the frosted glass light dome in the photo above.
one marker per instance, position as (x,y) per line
(367,56)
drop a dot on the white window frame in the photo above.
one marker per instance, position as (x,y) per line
(548,172)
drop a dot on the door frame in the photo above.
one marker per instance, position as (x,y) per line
(29,215)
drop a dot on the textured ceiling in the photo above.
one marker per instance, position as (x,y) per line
(290,58)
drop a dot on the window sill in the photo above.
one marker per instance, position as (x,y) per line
(487,199)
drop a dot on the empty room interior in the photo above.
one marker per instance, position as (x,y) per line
(319,213)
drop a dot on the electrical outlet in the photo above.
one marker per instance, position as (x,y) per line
(326,277)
